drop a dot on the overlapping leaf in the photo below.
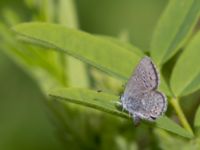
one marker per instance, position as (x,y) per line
(186,74)
(174,28)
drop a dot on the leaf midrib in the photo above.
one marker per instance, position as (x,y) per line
(53,46)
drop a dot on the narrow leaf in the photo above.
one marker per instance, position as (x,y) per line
(116,58)
(98,52)
(107,103)
(123,44)
(174,28)
(97,100)
(186,74)
(169,125)
(164,87)
(167,141)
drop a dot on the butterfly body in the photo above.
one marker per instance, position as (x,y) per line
(140,98)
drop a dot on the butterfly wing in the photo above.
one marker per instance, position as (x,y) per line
(144,78)
(140,98)
(153,104)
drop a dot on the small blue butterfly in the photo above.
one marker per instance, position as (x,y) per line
(141,98)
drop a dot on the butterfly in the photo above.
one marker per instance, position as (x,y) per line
(141,98)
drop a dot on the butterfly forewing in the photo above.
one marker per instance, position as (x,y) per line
(145,77)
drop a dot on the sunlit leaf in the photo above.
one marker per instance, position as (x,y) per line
(124,45)
(97,100)
(174,28)
(186,74)
(98,52)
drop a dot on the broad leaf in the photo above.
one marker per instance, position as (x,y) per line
(186,74)
(174,28)
(108,103)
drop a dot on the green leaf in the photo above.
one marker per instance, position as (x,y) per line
(97,100)
(174,28)
(98,52)
(186,74)
(169,125)
(94,50)
(167,141)
(164,87)
(107,103)
(197,118)
(123,44)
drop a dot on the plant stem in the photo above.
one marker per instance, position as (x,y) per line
(181,116)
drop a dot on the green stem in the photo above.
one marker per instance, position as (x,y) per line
(181,116)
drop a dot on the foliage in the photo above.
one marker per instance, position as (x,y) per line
(45,51)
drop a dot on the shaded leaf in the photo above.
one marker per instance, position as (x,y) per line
(197,118)
(168,141)
(42,65)
(164,86)
(185,77)
(174,28)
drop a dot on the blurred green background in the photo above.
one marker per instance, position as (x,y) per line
(24,123)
